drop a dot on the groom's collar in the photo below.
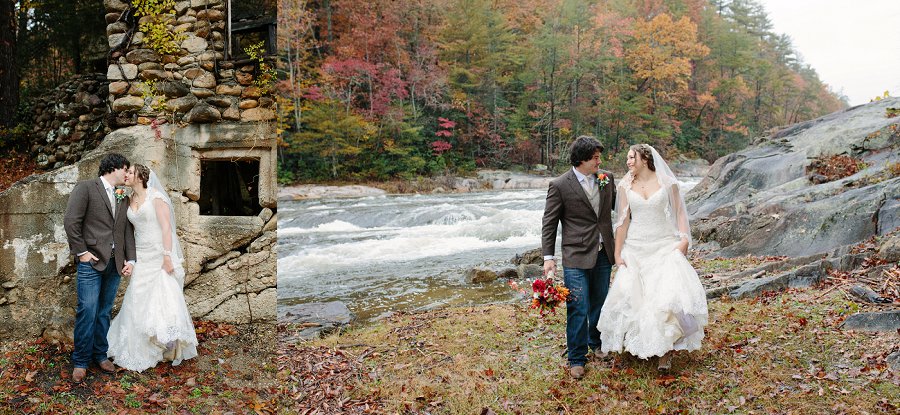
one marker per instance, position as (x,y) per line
(106,184)
(578,175)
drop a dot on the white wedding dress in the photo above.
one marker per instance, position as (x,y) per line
(656,302)
(154,323)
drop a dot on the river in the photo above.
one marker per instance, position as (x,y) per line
(403,252)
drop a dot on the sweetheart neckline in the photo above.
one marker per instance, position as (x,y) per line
(648,197)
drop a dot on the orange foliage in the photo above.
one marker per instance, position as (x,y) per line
(662,53)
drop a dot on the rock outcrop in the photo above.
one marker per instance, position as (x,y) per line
(761,200)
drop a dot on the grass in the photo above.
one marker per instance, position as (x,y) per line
(781,353)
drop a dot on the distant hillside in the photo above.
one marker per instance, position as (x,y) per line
(388,88)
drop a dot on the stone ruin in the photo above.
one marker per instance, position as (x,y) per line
(205,127)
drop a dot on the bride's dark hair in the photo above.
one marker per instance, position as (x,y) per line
(641,150)
(142,172)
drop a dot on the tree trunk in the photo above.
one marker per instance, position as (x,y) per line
(9,69)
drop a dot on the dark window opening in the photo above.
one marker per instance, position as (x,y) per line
(229,188)
(251,22)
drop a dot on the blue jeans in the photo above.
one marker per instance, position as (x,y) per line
(96,294)
(589,288)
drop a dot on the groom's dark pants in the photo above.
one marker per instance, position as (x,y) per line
(96,294)
(588,288)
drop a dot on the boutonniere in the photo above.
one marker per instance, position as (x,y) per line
(602,180)
(119,193)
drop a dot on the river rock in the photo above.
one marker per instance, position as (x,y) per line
(182,105)
(122,71)
(530,271)
(886,321)
(194,44)
(479,275)
(533,256)
(139,56)
(508,274)
(203,113)
(128,103)
(173,89)
(257,114)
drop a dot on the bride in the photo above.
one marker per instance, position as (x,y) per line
(153,324)
(656,303)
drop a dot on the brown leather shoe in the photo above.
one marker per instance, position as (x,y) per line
(665,362)
(78,374)
(107,366)
(577,372)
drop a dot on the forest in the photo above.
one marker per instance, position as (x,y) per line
(403,88)
(42,44)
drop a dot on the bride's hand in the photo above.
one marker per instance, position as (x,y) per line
(683,246)
(167,265)
(620,262)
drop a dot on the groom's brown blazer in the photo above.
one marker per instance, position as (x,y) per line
(90,226)
(581,227)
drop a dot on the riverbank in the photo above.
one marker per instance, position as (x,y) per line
(785,352)
(482,180)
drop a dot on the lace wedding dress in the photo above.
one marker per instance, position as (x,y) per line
(656,302)
(153,324)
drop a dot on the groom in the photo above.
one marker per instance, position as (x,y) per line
(102,240)
(583,204)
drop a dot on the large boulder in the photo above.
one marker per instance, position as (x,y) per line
(761,200)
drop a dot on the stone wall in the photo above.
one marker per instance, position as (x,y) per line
(195,84)
(69,120)
(230,261)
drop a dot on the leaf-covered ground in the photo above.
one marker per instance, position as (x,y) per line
(14,167)
(779,353)
(234,373)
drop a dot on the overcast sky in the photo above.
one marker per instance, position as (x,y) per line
(854,45)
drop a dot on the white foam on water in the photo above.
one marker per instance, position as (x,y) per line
(450,235)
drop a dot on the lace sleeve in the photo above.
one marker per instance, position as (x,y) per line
(622,207)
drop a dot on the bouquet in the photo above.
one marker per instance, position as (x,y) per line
(546,295)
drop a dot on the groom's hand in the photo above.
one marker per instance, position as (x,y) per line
(87,257)
(549,268)
(126,270)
